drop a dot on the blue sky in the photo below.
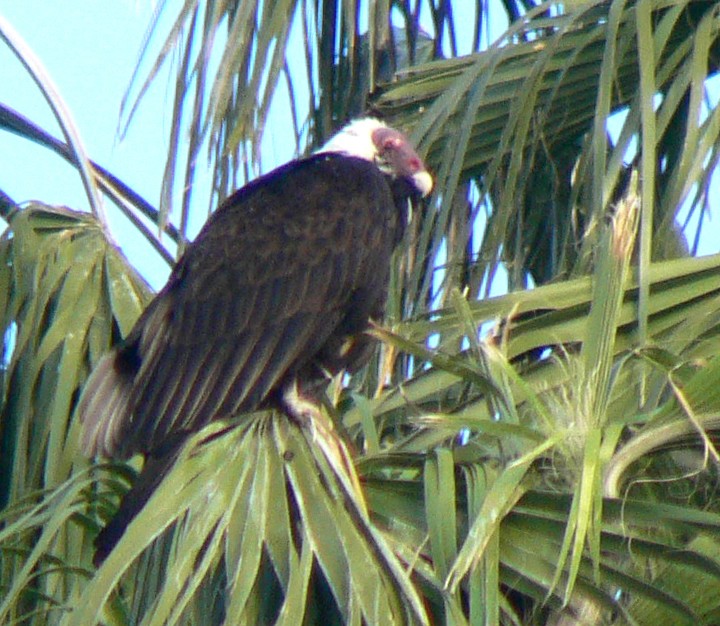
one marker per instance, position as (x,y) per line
(89,48)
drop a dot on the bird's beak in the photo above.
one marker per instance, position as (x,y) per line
(423,182)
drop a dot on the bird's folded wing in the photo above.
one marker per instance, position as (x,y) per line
(259,294)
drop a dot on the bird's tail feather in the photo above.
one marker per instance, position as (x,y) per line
(150,477)
(103,407)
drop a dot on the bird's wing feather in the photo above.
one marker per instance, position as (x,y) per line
(256,297)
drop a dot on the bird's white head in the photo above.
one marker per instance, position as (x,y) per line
(389,149)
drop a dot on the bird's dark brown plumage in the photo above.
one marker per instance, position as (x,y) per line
(282,274)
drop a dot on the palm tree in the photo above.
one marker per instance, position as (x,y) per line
(546,456)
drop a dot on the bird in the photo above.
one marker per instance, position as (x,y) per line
(273,296)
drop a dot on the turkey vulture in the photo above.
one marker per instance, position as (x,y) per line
(274,294)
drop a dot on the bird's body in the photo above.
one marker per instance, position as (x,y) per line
(275,292)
